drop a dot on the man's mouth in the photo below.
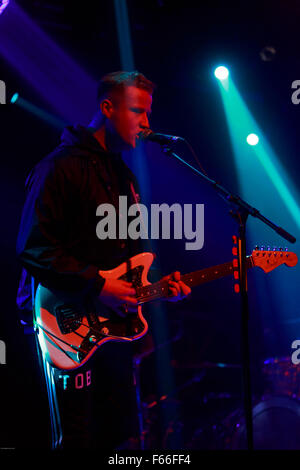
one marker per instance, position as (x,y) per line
(144,134)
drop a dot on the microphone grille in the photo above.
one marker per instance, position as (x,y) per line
(145,133)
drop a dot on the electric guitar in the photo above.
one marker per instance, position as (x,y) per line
(69,335)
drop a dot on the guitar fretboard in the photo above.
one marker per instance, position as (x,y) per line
(160,289)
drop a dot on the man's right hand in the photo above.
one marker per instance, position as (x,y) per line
(119,295)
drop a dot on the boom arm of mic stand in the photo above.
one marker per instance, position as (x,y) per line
(234,200)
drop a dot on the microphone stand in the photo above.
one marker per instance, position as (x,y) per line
(240,211)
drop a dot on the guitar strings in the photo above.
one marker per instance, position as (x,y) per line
(61,340)
(152,295)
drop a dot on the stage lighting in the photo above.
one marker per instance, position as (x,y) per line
(252,139)
(268,53)
(3,5)
(14,97)
(221,73)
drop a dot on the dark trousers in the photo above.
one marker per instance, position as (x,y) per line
(93,406)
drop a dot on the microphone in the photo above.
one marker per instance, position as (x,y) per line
(162,139)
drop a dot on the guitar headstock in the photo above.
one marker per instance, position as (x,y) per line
(270,259)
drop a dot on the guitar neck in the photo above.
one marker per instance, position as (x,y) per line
(210,274)
(160,289)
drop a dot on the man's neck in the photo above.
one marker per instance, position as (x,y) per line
(110,143)
(97,126)
(100,134)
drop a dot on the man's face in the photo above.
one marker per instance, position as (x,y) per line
(129,115)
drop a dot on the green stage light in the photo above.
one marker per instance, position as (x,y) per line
(251,161)
(14,97)
(37,111)
(221,73)
(252,139)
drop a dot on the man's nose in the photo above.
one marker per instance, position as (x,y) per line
(144,124)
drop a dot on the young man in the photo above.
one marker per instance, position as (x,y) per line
(58,245)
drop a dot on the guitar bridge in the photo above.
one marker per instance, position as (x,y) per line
(68,318)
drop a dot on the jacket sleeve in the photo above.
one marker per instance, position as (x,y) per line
(43,244)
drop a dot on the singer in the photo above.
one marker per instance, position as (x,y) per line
(59,249)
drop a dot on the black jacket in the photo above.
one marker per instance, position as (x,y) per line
(57,242)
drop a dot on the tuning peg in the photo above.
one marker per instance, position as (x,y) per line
(275,248)
(262,247)
(268,248)
(256,247)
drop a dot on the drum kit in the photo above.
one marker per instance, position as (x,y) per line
(275,413)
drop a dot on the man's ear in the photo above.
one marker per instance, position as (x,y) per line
(106,107)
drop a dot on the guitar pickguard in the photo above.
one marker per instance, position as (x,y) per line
(134,275)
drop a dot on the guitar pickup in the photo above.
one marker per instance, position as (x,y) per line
(68,318)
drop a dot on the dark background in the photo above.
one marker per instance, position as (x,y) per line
(177,45)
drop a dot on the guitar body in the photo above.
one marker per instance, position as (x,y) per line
(69,335)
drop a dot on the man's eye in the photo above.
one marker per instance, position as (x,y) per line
(140,111)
